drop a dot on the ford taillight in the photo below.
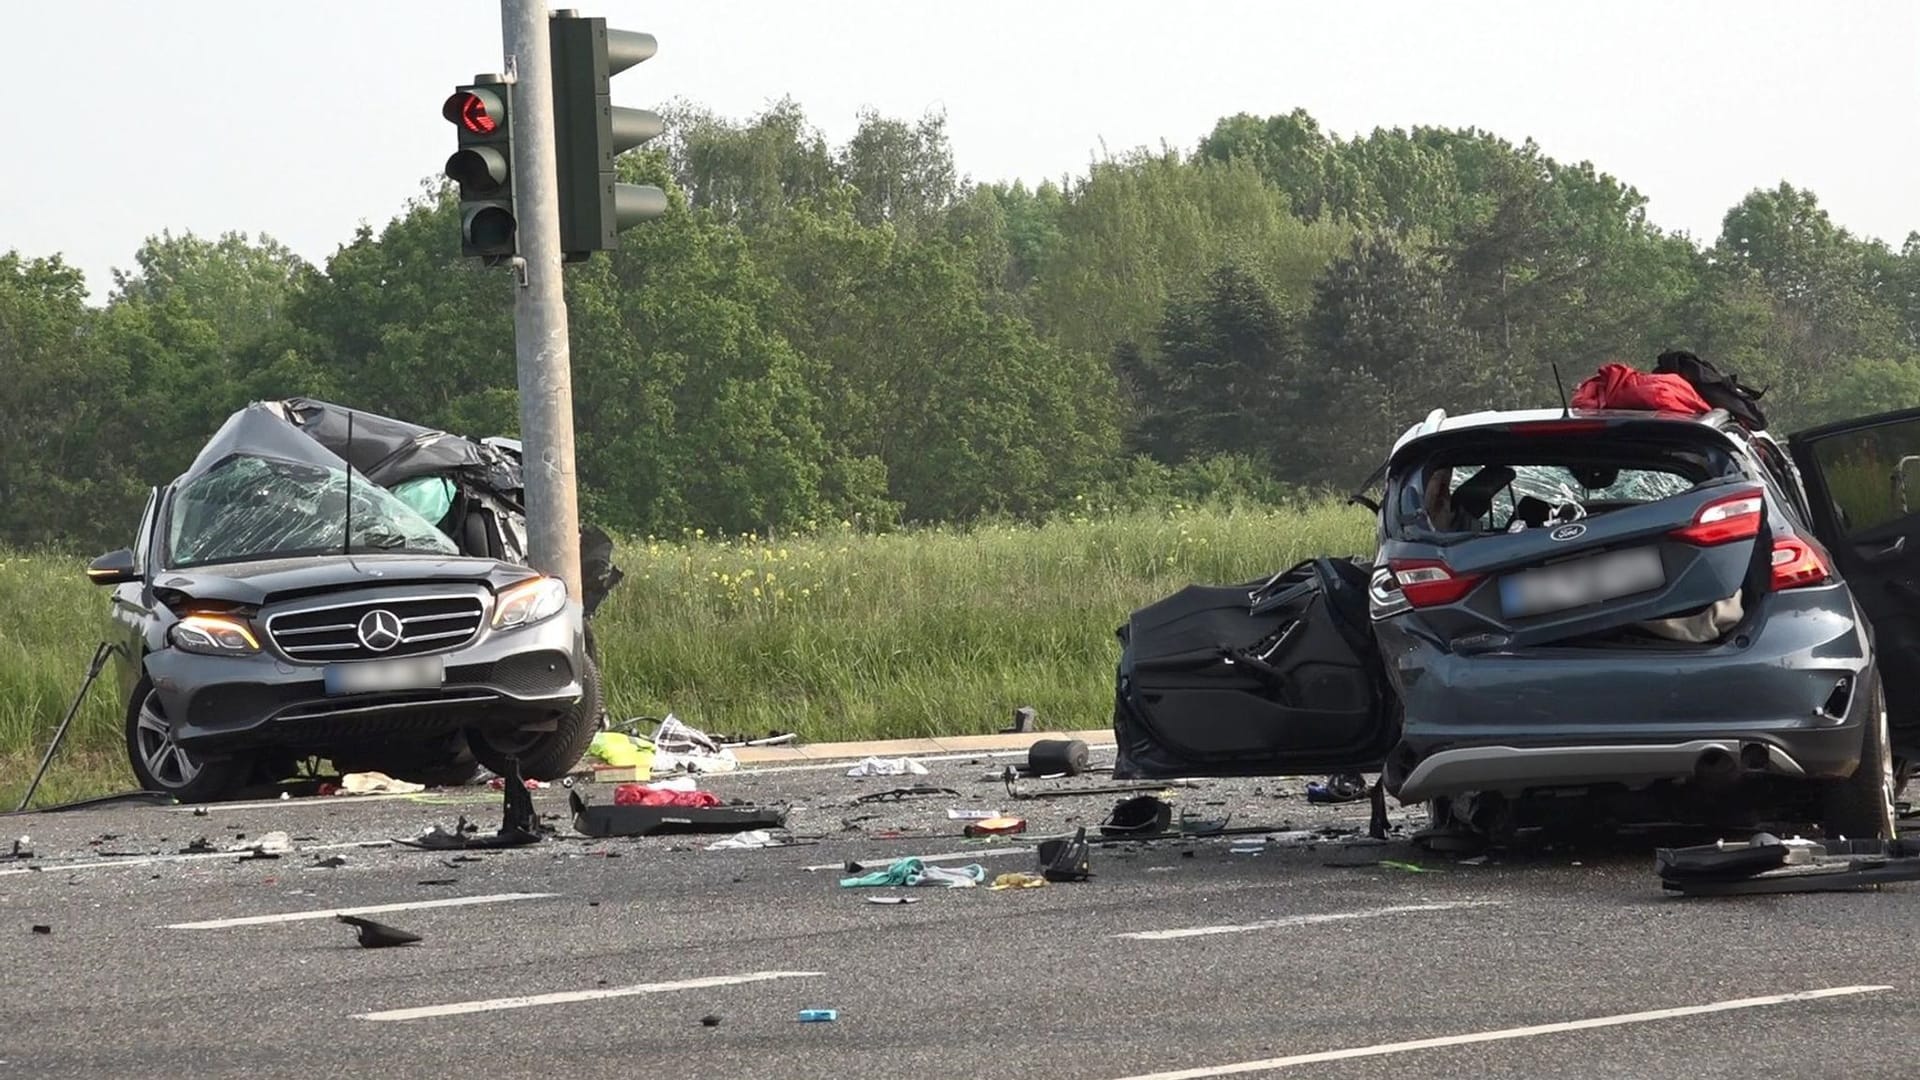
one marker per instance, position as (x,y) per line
(1430,582)
(1798,563)
(1724,520)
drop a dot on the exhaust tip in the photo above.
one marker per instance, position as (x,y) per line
(1754,757)
(1714,764)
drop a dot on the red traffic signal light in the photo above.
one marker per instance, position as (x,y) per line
(476,111)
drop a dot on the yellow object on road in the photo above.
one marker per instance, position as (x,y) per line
(1017,881)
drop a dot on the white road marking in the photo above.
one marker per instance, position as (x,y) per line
(1618,1020)
(1304,920)
(953,856)
(816,766)
(151,860)
(426,1012)
(375,909)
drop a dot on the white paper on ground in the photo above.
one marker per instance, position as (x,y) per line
(875,766)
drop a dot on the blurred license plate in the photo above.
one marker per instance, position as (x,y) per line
(1584,581)
(409,673)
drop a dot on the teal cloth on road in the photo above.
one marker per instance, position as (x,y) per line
(908,872)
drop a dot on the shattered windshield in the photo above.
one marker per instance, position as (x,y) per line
(251,507)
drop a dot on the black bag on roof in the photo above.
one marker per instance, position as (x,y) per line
(1721,389)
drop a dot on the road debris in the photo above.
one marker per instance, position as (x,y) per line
(42,928)
(681,747)
(1057,757)
(1343,788)
(519,823)
(1767,864)
(819,1016)
(331,862)
(900,766)
(893,899)
(378,935)
(753,838)
(1016,880)
(1025,718)
(999,826)
(896,794)
(959,813)
(1066,860)
(648,795)
(615,820)
(1011,777)
(1137,816)
(710,1020)
(375,783)
(269,846)
(912,872)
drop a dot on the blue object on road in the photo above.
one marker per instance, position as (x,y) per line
(818,1016)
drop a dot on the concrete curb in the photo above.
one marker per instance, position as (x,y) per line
(890,748)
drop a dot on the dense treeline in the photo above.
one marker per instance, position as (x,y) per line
(819,332)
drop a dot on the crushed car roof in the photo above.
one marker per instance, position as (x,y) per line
(1438,421)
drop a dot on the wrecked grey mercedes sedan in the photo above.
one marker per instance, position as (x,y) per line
(278,603)
(1590,616)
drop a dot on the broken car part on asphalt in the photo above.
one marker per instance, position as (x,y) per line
(1011,777)
(1768,864)
(378,935)
(638,820)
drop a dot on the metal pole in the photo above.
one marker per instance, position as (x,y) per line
(544,364)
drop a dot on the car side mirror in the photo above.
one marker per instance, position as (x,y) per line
(113,568)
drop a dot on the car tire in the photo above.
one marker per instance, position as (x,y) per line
(160,764)
(1861,806)
(548,755)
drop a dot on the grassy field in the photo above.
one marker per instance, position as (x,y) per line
(835,635)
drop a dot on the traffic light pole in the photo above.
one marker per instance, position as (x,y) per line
(541,353)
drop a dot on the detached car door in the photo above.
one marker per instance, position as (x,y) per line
(1272,678)
(1863,488)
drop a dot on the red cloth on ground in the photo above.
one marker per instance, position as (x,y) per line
(1617,386)
(642,795)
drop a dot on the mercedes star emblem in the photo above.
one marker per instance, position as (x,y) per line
(379,629)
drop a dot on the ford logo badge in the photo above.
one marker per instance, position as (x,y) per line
(1568,532)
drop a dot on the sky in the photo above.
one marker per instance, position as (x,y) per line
(303,121)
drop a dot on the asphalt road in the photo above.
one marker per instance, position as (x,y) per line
(1178,958)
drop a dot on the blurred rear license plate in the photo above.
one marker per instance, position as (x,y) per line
(407,673)
(1583,581)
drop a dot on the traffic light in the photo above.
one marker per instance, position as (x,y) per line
(589,132)
(483,167)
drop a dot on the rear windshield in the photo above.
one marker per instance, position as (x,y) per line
(1500,483)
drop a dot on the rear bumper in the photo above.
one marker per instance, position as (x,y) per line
(518,679)
(1790,702)
(1514,769)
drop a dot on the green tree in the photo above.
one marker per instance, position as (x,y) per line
(1386,346)
(1225,377)
(63,474)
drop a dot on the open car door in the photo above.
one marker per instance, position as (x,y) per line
(1863,487)
(1272,678)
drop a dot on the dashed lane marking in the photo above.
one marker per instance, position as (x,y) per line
(428,1012)
(375,909)
(1502,1034)
(1304,920)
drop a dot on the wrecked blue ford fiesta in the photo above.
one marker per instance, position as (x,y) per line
(1661,616)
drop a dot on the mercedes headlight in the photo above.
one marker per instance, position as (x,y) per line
(214,635)
(529,602)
